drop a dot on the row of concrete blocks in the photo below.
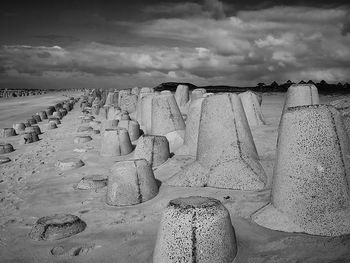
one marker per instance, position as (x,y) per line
(5,93)
(310,190)
(152,110)
(30,130)
(20,93)
(310,135)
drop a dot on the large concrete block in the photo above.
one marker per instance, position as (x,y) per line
(182,96)
(226,153)
(115,142)
(195,229)
(166,120)
(189,146)
(132,127)
(154,149)
(197,94)
(300,95)
(252,108)
(131,182)
(310,191)
(112,99)
(343,105)
(128,103)
(7,132)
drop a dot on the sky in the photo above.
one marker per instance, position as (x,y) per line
(122,44)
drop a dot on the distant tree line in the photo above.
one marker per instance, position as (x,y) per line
(323,87)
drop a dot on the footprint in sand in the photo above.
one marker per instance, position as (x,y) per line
(72,251)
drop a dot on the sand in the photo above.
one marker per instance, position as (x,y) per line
(32,187)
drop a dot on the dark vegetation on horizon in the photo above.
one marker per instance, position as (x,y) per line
(323,87)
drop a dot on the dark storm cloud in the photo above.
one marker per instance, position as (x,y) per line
(204,42)
(209,8)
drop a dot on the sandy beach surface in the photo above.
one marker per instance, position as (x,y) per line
(32,187)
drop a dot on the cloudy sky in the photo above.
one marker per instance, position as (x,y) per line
(143,43)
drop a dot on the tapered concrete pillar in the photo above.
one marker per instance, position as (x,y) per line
(135,90)
(197,94)
(64,112)
(124,115)
(132,127)
(123,93)
(29,137)
(163,92)
(144,111)
(7,132)
(300,95)
(146,90)
(195,229)
(226,153)
(343,106)
(130,183)
(55,120)
(57,114)
(115,142)
(189,146)
(252,108)
(310,190)
(128,103)
(32,121)
(51,125)
(19,127)
(49,112)
(166,119)
(42,115)
(109,124)
(6,148)
(113,113)
(37,118)
(182,96)
(34,128)
(154,149)
(112,99)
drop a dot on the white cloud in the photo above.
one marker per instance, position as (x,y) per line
(277,43)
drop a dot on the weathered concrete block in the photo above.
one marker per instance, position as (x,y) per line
(252,108)
(226,153)
(6,148)
(154,149)
(115,142)
(132,127)
(310,190)
(131,182)
(195,229)
(189,146)
(7,132)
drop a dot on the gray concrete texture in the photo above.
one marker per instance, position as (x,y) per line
(131,182)
(166,116)
(195,229)
(132,127)
(197,93)
(115,142)
(189,146)
(226,154)
(343,106)
(154,149)
(182,96)
(301,94)
(252,108)
(310,191)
